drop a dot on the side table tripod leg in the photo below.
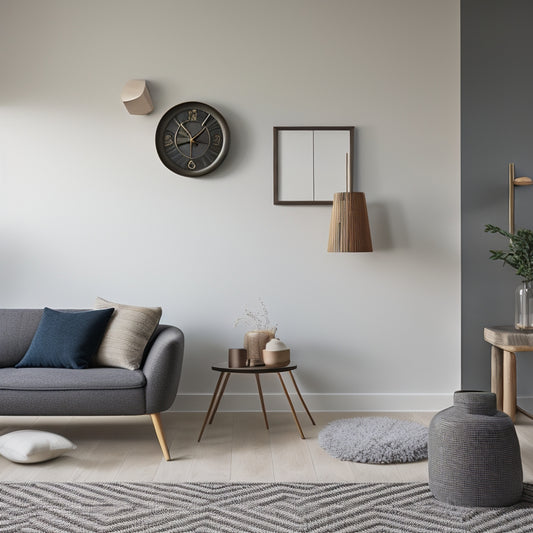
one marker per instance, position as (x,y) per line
(215,392)
(301,398)
(220,394)
(291,406)
(262,400)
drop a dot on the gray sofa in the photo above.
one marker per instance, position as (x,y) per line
(92,391)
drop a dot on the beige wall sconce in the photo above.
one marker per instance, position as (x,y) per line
(136,97)
(349,229)
(514,182)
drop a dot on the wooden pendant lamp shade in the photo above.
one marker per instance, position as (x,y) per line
(349,230)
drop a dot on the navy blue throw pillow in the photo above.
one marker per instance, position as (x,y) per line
(66,339)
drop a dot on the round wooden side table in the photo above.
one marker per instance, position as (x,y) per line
(226,371)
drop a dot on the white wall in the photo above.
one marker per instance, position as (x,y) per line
(87,208)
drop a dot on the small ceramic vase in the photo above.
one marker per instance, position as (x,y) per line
(255,342)
(237,357)
(276,353)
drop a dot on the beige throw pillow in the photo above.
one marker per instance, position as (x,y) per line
(127,334)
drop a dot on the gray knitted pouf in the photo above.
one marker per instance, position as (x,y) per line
(473,453)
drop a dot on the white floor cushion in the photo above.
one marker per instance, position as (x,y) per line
(32,446)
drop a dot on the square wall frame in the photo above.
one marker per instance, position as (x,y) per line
(310,163)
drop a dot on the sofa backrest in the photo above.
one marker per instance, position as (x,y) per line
(17,328)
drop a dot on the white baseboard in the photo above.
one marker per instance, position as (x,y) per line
(239,402)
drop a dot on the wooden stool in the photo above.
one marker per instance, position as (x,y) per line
(506,341)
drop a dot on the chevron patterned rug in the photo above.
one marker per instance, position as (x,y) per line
(250,508)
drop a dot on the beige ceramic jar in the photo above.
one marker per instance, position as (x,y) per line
(276,353)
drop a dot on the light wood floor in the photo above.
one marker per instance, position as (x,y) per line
(236,447)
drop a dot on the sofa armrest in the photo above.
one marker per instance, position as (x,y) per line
(162,368)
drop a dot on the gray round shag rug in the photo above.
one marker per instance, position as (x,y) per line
(375,440)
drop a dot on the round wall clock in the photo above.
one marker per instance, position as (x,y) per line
(192,139)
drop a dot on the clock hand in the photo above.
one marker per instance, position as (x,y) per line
(186,131)
(199,133)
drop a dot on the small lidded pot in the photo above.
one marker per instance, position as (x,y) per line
(276,353)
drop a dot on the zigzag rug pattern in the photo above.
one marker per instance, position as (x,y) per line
(250,508)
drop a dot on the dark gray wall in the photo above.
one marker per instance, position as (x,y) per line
(497,129)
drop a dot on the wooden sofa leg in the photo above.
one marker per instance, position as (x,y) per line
(156,420)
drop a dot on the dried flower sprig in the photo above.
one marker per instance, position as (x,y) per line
(258,320)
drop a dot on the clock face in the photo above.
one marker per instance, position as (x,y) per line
(192,139)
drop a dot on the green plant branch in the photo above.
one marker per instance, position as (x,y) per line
(520,252)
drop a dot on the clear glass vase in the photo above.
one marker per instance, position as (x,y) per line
(524,305)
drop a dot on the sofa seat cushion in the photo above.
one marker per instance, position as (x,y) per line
(58,379)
